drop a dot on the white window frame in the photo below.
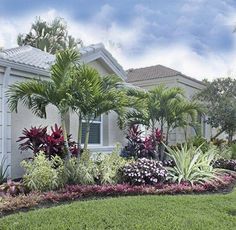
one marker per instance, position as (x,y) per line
(101,133)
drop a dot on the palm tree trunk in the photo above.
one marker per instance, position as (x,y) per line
(87,135)
(63,125)
(161,147)
(79,132)
(167,134)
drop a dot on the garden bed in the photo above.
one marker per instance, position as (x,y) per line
(12,204)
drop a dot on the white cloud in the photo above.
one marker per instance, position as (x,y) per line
(121,41)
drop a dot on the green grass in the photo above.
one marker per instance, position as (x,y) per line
(188,212)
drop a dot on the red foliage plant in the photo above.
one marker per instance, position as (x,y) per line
(37,139)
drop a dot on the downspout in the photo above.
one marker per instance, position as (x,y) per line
(5,152)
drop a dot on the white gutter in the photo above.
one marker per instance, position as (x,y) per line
(5,151)
(25,68)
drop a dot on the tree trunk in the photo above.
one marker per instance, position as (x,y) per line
(161,146)
(63,125)
(79,132)
(167,134)
(230,139)
(87,135)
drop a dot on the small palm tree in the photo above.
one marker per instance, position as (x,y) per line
(162,106)
(94,95)
(38,94)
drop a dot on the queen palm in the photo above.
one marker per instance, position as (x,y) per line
(94,95)
(37,94)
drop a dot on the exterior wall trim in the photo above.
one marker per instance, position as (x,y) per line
(4,119)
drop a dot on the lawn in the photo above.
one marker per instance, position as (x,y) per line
(197,212)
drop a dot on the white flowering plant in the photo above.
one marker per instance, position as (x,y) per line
(144,171)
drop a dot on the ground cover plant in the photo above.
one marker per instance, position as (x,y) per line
(211,212)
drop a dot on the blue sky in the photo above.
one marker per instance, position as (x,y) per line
(192,36)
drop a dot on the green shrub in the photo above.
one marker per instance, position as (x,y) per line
(233,151)
(3,169)
(108,166)
(102,169)
(80,171)
(42,174)
(197,141)
(192,165)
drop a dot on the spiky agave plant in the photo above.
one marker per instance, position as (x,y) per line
(192,165)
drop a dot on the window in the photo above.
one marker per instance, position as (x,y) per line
(95,134)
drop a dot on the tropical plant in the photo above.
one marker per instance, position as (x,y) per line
(138,146)
(192,165)
(50,37)
(37,94)
(3,169)
(144,171)
(87,169)
(42,174)
(34,139)
(163,107)
(199,141)
(11,188)
(52,143)
(233,151)
(94,95)
(109,166)
(225,164)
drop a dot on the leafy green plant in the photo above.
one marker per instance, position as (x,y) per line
(233,151)
(3,169)
(109,165)
(42,174)
(199,141)
(192,165)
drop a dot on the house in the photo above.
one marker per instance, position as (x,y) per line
(26,62)
(152,76)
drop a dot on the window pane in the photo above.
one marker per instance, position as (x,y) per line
(94,134)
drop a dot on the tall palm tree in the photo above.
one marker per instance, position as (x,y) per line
(49,37)
(94,95)
(36,94)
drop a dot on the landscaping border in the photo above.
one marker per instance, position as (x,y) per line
(32,201)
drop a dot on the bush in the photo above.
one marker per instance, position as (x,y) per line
(225,164)
(11,188)
(138,147)
(144,171)
(52,144)
(42,174)
(3,170)
(109,166)
(192,165)
(197,141)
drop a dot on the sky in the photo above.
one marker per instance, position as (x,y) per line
(192,36)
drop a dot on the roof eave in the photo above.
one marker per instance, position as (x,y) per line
(24,67)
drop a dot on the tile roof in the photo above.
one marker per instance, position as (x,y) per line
(37,58)
(153,72)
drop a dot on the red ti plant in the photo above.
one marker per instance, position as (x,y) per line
(54,142)
(37,139)
(34,139)
(138,147)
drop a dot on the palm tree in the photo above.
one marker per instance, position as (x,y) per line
(94,95)
(163,107)
(37,94)
(49,37)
